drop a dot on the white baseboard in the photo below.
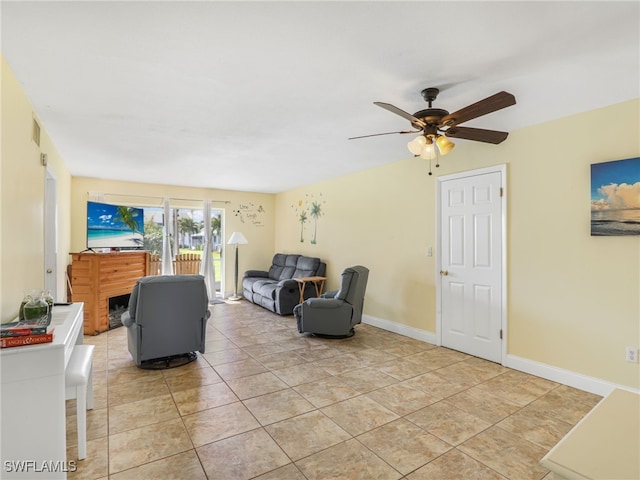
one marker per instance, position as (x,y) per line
(549,372)
(566,377)
(405,330)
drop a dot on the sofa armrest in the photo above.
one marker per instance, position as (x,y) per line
(256,273)
(329,294)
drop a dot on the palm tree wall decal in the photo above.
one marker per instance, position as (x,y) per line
(306,208)
(315,212)
(302,218)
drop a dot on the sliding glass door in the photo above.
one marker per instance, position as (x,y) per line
(187,239)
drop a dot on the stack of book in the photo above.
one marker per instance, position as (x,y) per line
(16,334)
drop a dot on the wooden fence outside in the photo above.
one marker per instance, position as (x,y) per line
(184,264)
(155,264)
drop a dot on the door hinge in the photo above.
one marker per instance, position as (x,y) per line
(501,192)
(500,334)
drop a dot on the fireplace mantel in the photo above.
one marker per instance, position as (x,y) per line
(96,277)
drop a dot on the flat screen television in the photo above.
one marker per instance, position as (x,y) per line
(114,226)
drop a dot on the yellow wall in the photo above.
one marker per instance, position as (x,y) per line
(573,299)
(22,200)
(258,228)
(382,218)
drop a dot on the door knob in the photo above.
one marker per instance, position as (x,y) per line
(49,270)
(444,273)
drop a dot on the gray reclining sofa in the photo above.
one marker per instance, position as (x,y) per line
(275,289)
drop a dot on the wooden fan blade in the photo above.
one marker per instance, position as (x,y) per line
(488,105)
(477,134)
(388,133)
(416,122)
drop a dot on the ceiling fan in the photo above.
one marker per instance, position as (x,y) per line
(436,124)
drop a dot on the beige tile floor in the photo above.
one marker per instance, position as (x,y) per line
(266,402)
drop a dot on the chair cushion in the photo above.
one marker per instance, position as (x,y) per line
(345,283)
(249,282)
(283,266)
(266,288)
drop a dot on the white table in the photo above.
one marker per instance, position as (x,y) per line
(32,409)
(605,444)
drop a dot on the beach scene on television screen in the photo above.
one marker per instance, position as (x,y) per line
(615,197)
(114,226)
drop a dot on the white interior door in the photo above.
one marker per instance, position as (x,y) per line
(471,264)
(50,237)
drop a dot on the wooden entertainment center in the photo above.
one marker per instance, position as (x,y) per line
(97,277)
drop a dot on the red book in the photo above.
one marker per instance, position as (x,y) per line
(18,341)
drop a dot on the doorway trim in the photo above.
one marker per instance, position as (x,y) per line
(50,280)
(502,169)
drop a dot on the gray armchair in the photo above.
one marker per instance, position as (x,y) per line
(335,313)
(167,317)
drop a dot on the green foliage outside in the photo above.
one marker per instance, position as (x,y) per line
(188,226)
(153,238)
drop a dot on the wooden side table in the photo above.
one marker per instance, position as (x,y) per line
(318,282)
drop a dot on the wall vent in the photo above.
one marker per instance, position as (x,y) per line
(36,132)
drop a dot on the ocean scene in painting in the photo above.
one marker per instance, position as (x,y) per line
(114,226)
(615,197)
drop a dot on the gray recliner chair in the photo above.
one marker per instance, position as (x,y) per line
(167,318)
(335,313)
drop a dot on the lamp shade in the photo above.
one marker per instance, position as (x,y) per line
(237,238)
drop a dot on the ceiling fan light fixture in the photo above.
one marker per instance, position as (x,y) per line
(444,145)
(431,121)
(428,152)
(416,145)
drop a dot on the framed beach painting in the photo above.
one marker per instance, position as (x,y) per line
(615,197)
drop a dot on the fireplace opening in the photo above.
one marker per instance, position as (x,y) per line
(117,306)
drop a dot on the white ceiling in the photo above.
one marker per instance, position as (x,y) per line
(262,96)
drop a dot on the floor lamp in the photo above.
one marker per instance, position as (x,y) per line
(236,239)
